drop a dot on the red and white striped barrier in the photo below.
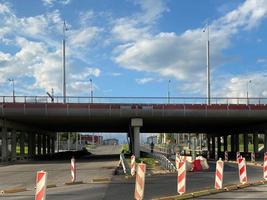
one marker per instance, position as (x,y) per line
(237,156)
(181,178)
(242,170)
(265,167)
(73,169)
(226,155)
(41,181)
(219,174)
(140,181)
(253,157)
(132,165)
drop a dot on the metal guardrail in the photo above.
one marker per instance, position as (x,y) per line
(162,159)
(133,100)
(125,166)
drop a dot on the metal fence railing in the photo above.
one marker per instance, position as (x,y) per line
(132,100)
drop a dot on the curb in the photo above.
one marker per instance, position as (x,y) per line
(13,190)
(101,180)
(51,186)
(74,183)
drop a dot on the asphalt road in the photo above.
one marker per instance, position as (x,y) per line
(257,192)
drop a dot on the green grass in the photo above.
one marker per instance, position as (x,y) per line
(125,148)
(148,160)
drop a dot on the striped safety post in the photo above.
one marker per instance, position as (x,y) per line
(140,181)
(226,155)
(181,178)
(265,167)
(133,165)
(219,174)
(73,169)
(253,157)
(177,159)
(41,182)
(242,170)
(237,156)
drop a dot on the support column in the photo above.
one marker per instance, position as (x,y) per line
(213,147)
(44,144)
(53,145)
(136,123)
(245,142)
(218,144)
(236,142)
(13,145)
(39,144)
(22,145)
(208,145)
(265,141)
(48,145)
(4,144)
(232,143)
(30,146)
(255,142)
(225,143)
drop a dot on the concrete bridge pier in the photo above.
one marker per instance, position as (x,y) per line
(48,144)
(136,123)
(265,141)
(22,145)
(255,142)
(44,144)
(225,144)
(4,144)
(213,147)
(13,145)
(39,144)
(245,139)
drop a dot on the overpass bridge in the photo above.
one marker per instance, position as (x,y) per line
(40,117)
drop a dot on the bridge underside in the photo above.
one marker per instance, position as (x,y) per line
(41,120)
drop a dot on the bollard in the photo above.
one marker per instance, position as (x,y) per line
(140,182)
(132,165)
(181,178)
(177,159)
(73,169)
(265,167)
(41,182)
(226,155)
(253,157)
(219,174)
(242,170)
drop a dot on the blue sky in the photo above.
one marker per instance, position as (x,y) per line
(133,47)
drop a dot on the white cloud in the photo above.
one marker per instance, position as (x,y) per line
(51,3)
(183,56)
(38,56)
(145,80)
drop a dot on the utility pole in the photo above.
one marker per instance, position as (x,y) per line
(208,63)
(91,90)
(64,62)
(13,88)
(169,95)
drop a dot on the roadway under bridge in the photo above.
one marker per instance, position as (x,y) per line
(38,121)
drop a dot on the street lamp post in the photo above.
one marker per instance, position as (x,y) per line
(64,62)
(208,63)
(13,88)
(169,95)
(247,91)
(91,90)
